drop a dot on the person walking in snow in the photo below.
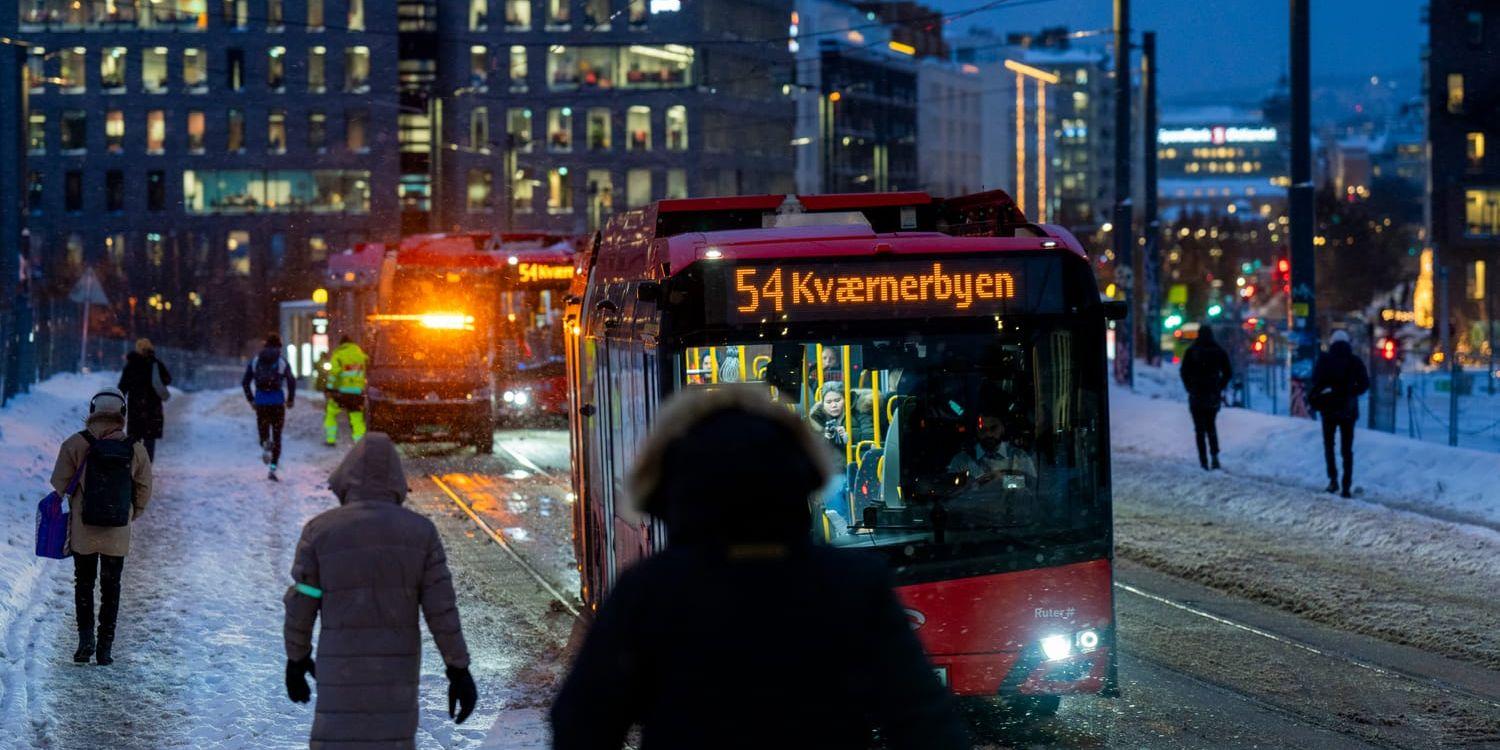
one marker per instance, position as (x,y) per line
(345,388)
(1339,379)
(742,581)
(113,475)
(144,382)
(1205,373)
(366,568)
(271,389)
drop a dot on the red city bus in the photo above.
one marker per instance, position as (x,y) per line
(950,353)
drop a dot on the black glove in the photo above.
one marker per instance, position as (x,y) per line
(461,693)
(296,679)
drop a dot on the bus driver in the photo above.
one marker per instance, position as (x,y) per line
(992,455)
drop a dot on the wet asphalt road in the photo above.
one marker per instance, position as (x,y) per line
(1254,678)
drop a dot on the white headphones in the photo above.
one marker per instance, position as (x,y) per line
(111,394)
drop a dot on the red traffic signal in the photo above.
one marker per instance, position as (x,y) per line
(1283,266)
(1388,349)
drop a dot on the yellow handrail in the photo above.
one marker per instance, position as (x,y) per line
(875,404)
(760,367)
(848,426)
(743,377)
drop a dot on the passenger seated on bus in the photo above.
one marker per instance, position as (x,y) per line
(827,416)
(992,455)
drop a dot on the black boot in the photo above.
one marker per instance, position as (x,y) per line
(1216,462)
(103,657)
(1333,486)
(85,646)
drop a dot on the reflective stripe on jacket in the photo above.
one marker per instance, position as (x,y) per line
(348,369)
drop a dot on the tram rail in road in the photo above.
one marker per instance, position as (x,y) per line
(499,539)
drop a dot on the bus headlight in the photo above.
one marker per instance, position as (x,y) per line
(522,397)
(509,397)
(1056,647)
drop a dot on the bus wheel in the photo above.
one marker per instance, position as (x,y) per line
(484,442)
(1023,707)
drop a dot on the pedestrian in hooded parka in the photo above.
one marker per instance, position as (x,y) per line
(743,633)
(1339,379)
(99,550)
(1205,373)
(366,568)
(143,380)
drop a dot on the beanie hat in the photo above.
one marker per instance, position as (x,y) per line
(1339,336)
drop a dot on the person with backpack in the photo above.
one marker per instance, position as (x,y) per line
(722,639)
(345,390)
(113,474)
(275,391)
(1339,379)
(144,382)
(366,569)
(1205,374)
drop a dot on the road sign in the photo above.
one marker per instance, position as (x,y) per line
(88,290)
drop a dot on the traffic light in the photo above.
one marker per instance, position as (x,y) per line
(1388,350)
(1215,310)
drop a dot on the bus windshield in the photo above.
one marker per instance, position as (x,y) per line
(530,335)
(952,448)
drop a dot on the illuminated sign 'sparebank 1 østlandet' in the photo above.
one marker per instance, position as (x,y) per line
(775,289)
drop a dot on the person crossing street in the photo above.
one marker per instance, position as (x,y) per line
(271,389)
(345,389)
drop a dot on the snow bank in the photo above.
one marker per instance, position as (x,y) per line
(1456,484)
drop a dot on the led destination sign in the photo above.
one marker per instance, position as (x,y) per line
(531,273)
(829,291)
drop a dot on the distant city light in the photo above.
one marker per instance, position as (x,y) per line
(905,49)
(1217,134)
(666,6)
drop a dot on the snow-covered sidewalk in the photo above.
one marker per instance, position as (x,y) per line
(1456,484)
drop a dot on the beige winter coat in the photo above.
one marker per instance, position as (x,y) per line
(105,540)
(366,567)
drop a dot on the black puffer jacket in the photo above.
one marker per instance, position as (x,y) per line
(144,411)
(1339,379)
(1205,370)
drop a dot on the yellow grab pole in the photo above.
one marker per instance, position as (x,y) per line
(849,436)
(875,403)
(743,377)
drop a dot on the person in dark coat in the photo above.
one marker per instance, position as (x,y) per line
(722,640)
(144,402)
(1205,373)
(1339,379)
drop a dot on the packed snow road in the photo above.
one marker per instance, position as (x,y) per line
(199,651)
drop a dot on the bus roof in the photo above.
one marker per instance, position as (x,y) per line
(671,235)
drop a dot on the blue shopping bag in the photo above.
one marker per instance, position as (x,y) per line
(52,520)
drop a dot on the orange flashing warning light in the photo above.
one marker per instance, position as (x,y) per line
(437,321)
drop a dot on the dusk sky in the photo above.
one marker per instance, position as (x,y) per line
(1235,46)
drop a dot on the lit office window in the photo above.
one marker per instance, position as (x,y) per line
(196,125)
(317,69)
(677,135)
(36,69)
(523,191)
(677,183)
(234,70)
(73,70)
(276,68)
(114,249)
(114,131)
(357,69)
(559,191)
(601,190)
(1474,285)
(36,132)
(560,129)
(194,69)
(559,13)
(236,13)
(317,131)
(356,15)
(112,68)
(315,17)
(479,66)
(237,247)
(638,128)
(276,131)
(356,125)
(481,189)
(317,248)
(596,15)
(235,143)
(479,15)
(637,188)
(666,66)
(154,69)
(156,131)
(1474,149)
(1456,93)
(275,15)
(518,128)
(75,124)
(517,15)
(518,68)
(599,125)
(1482,212)
(637,11)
